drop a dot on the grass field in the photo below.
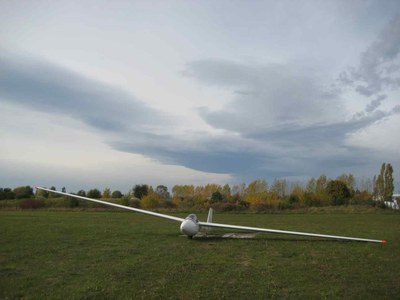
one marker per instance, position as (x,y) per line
(87,255)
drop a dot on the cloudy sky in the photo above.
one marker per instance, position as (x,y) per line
(116,93)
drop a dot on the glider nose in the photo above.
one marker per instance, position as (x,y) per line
(189,227)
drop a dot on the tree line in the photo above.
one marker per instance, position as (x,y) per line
(258,195)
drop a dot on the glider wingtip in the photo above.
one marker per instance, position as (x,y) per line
(384,242)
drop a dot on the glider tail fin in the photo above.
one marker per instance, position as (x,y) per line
(210,215)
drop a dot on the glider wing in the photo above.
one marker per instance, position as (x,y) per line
(115,205)
(236,227)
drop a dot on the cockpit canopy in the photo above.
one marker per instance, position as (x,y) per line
(192,217)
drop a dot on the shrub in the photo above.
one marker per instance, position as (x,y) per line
(152,200)
(31,204)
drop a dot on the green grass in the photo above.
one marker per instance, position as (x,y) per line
(87,255)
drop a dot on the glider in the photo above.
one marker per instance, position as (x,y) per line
(191,225)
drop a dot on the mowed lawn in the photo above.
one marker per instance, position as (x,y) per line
(122,255)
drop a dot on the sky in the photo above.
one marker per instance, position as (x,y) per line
(97,94)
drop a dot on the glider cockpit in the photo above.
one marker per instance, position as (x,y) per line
(190,226)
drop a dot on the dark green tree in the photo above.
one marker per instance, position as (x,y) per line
(116,194)
(23,192)
(81,193)
(8,193)
(338,192)
(94,193)
(140,190)
(216,197)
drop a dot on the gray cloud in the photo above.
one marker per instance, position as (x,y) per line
(264,95)
(374,104)
(379,64)
(282,105)
(50,88)
(124,122)
(278,117)
(287,108)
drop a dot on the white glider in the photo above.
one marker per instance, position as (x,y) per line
(190,226)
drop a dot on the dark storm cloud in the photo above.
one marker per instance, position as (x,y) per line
(46,87)
(126,123)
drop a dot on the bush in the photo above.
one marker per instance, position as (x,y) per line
(284,204)
(152,200)
(165,203)
(261,207)
(73,202)
(227,206)
(31,204)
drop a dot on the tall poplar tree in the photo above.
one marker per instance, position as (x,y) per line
(389,186)
(384,186)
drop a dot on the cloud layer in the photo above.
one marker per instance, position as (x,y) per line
(47,87)
(283,119)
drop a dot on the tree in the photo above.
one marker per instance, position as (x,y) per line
(152,200)
(239,189)
(380,184)
(389,186)
(116,194)
(162,191)
(54,195)
(226,190)
(41,194)
(211,188)
(94,193)
(23,192)
(183,191)
(279,187)
(297,194)
(338,192)
(349,180)
(140,190)
(82,193)
(216,197)
(107,193)
(8,193)
(321,184)
(311,185)
(256,187)
(383,187)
